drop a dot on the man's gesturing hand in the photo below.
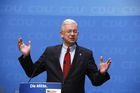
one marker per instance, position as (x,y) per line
(24,49)
(104,66)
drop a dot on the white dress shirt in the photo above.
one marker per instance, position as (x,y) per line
(63,51)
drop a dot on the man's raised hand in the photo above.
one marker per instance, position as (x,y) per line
(24,49)
(104,66)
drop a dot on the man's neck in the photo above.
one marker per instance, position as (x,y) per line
(69,45)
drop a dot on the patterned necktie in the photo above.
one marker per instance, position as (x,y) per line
(67,63)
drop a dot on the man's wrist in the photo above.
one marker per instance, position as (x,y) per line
(102,73)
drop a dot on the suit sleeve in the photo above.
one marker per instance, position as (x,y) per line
(33,69)
(94,74)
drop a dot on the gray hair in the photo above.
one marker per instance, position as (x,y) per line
(68,21)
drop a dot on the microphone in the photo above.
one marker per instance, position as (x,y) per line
(34,72)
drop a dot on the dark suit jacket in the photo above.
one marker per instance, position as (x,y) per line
(82,65)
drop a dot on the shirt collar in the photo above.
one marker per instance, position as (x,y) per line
(71,48)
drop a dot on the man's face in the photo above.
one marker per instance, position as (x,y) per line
(69,34)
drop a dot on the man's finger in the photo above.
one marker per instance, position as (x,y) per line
(19,41)
(29,43)
(101,59)
(109,61)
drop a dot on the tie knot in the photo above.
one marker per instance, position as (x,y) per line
(68,49)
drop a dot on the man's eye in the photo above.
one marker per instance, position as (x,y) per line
(68,31)
(75,31)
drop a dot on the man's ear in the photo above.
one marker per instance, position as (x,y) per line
(61,34)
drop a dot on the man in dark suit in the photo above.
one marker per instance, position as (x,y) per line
(55,60)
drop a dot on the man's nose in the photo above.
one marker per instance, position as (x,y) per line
(72,33)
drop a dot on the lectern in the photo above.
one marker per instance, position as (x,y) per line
(40,87)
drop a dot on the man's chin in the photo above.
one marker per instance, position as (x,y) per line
(71,42)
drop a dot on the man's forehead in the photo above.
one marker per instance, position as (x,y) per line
(71,25)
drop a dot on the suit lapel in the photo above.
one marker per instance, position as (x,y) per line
(75,57)
(57,62)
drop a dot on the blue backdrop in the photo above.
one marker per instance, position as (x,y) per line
(109,28)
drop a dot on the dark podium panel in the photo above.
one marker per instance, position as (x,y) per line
(40,87)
